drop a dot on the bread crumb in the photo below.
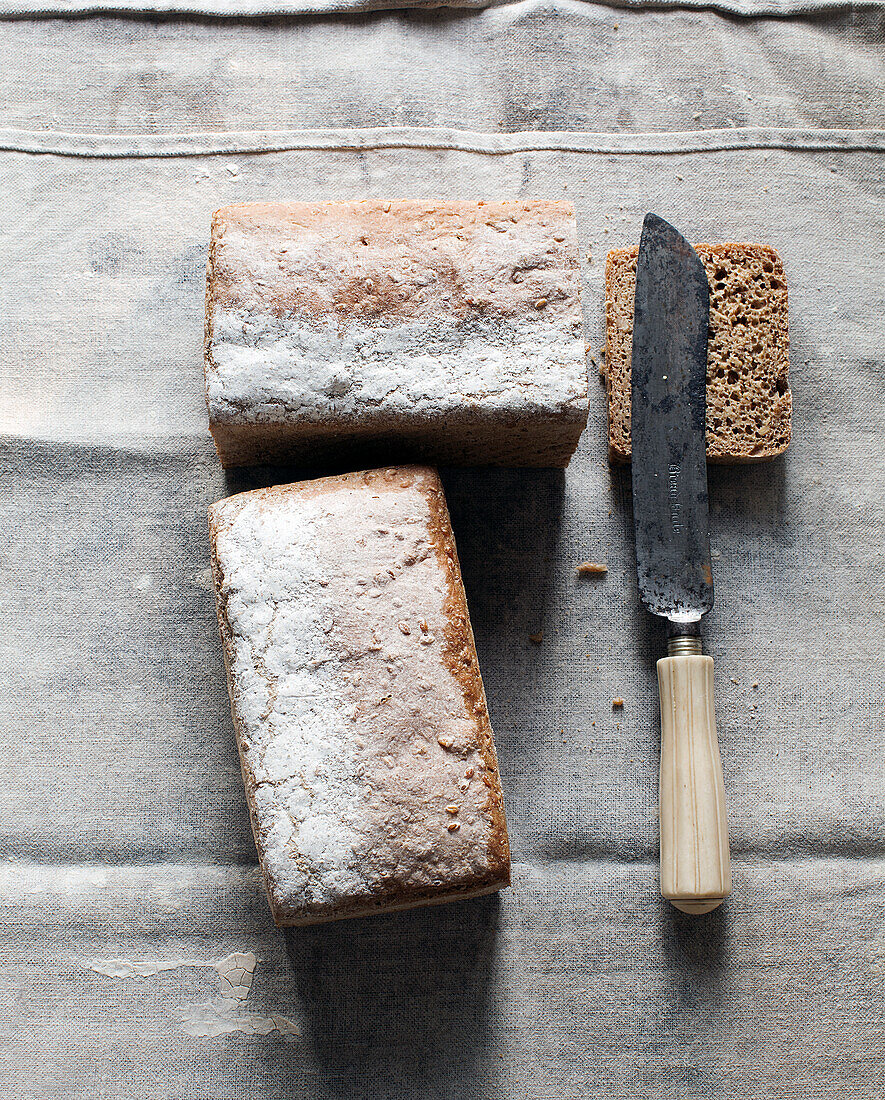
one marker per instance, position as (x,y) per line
(592,568)
(749,405)
(755,684)
(537,638)
(734,679)
(453,809)
(541,302)
(589,255)
(619,702)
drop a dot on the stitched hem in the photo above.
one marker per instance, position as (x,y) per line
(241,142)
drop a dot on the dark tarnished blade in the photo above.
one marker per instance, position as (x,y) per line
(668,423)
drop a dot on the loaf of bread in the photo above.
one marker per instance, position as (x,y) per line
(749,405)
(431,331)
(364,737)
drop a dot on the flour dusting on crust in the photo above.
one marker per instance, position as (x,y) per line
(363,731)
(386,318)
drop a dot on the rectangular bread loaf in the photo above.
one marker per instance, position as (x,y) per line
(749,405)
(361,719)
(436,331)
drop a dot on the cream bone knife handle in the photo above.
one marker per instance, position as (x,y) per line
(695,861)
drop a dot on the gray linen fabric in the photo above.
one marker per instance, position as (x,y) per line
(241,8)
(124,825)
(528,66)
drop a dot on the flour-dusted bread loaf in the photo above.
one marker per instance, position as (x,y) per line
(749,405)
(437,331)
(364,736)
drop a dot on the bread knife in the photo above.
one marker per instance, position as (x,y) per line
(670,515)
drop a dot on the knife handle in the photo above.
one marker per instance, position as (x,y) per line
(695,861)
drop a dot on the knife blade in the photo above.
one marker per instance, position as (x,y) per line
(668,423)
(673,565)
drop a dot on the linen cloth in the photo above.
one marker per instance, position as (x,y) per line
(239,8)
(124,824)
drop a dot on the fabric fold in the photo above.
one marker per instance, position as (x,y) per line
(248,142)
(238,9)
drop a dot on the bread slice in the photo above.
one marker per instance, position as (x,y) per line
(432,331)
(749,405)
(362,725)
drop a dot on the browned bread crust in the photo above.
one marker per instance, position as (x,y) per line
(413,783)
(749,404)
(407,331)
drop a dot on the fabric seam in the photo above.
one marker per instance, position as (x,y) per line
(61,9)
(253,142)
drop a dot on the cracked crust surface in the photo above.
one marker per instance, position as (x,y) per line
(749,405)
(362,725)
(450,331)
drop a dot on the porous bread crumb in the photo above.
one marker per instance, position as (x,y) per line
(619,702)
(592,568)
(749,405)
